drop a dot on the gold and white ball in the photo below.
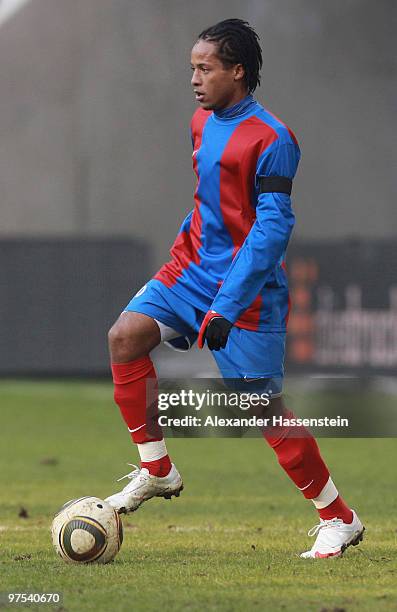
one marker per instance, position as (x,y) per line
(87,530)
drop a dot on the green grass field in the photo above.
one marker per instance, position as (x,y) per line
(230,542)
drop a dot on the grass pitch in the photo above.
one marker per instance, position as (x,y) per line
(230,542)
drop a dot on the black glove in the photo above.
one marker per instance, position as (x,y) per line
(215,330)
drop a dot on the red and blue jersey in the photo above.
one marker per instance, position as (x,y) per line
(229,253)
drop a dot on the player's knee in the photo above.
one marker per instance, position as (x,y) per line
(113,336)
(122,343)
(133,336)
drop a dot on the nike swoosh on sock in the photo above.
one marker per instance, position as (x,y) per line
(136,428)
(307,486)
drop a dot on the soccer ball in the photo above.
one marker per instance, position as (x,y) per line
(87,530)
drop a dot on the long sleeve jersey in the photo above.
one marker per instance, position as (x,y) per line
(229,253)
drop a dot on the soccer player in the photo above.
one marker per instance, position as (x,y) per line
(226,283)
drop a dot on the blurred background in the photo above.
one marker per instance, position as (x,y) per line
(95,174)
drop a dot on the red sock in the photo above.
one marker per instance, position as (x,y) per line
(135,392)
(337,509)
(160,467)
(299,455)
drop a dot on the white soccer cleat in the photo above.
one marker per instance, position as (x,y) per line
(144,486)
(333,537)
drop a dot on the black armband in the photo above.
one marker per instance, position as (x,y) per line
(279,184)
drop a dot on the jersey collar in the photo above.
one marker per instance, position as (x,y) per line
(233,112)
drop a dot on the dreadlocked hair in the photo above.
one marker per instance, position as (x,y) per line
(237,44)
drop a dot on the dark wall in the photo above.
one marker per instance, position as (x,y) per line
(58,299)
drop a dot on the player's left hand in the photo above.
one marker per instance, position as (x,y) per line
(215,330)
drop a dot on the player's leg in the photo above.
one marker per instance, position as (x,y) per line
(250,356)
(131,339)
(136,332)
(299,455)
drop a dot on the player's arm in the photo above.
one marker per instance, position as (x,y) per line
(264,247)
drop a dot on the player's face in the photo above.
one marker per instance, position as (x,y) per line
(216,86)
